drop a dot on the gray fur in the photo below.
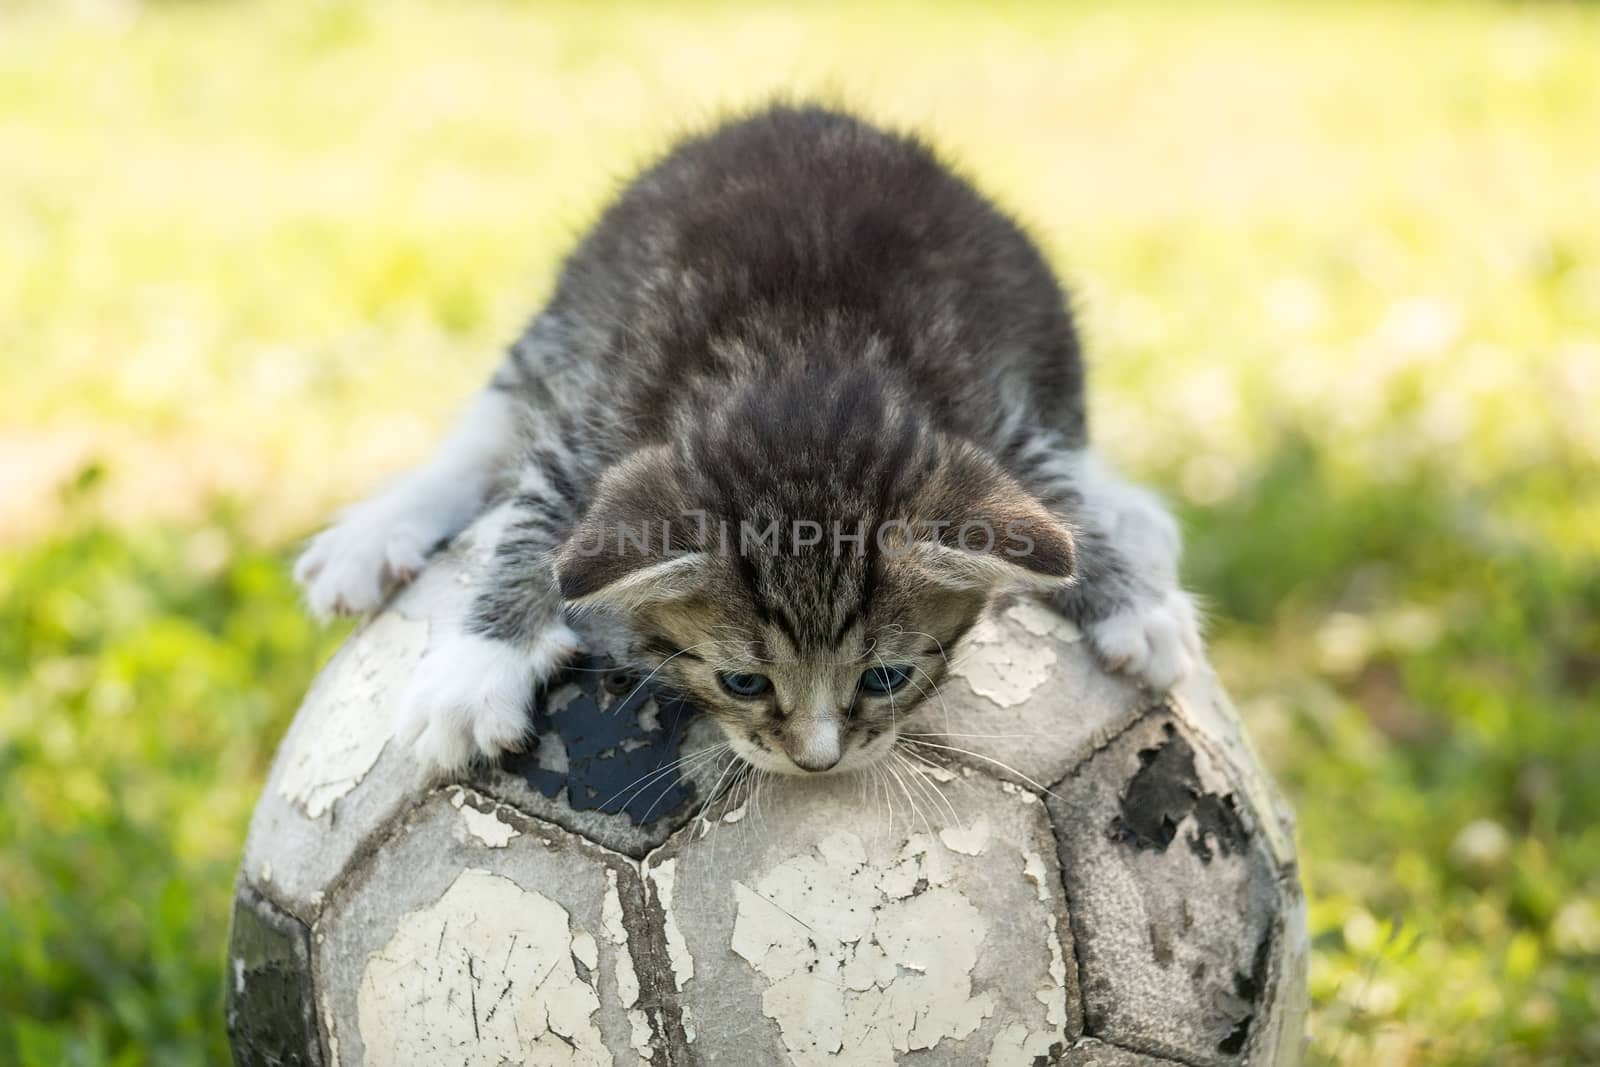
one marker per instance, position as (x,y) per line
(801,318)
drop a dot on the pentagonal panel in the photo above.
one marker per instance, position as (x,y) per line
(611,758)
(809,925)
(1174,898)
(475,935)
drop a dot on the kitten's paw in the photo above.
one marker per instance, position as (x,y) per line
(470,696)
(1156,640)
(349,568)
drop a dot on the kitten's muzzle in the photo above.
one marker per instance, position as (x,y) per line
(812,744)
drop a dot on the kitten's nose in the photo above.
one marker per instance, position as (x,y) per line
(813,744)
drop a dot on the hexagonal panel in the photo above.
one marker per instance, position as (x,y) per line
(1026,699)
(1174,899)
(337,778)
(810,923)
(475,934)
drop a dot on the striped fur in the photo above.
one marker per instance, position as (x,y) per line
(796,321)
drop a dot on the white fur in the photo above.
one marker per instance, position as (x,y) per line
(470,695)
(1157,638)
(383,542)
(817,746)
(855,757)
(1139,523)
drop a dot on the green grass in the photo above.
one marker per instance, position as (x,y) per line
(1338,271)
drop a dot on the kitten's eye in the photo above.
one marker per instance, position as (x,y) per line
(885,679)
(745,685)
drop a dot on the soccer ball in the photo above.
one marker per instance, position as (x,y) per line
(1059,868)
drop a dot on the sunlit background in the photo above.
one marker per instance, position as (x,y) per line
(1339,272)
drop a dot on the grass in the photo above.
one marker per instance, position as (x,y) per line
(1336,266)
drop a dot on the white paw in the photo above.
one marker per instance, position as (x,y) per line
(349,568)
(470,697)
(1156,640)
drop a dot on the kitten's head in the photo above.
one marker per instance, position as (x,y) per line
(809,605)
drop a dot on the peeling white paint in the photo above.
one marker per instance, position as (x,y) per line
(940,774)
(481,977)
(616,931)
(344,726)
(1033,869)
(640,1033)
(585,950)
(1011,655)
(969,840)
(333,1033)
(1017,1046)
(664,876)
(689,1032)
(1041,621)
(845,950)
(486,826)
(1054,995)
(1001,668)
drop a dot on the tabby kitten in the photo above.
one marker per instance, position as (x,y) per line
(802,403)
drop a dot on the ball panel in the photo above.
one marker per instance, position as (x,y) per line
(338,776)
(610,759)
(475,933)
(1280,1036)
(1091,1053)
(821,923)
(1174,899)
(1200,701)
(1026,698)
(270,1011)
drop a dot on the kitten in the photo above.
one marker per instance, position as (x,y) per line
(802,403)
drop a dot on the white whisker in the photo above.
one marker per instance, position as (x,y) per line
(682,762)
(987,759)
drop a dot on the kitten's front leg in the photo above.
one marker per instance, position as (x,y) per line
(469,698)
(1126,598)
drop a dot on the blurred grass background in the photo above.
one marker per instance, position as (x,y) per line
(1339,271)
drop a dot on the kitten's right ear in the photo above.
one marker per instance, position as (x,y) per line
(633,546)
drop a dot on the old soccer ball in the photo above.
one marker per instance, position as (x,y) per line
(1065,869)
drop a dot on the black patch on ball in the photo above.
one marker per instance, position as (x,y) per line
(269,1005)
(613,750)
(1163,792)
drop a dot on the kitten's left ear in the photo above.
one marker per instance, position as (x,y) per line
(634,546)
(994,535)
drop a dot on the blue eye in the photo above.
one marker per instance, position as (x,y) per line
(885,679)
(745,685)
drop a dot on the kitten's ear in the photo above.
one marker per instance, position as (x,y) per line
(632,547)
(994,535)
